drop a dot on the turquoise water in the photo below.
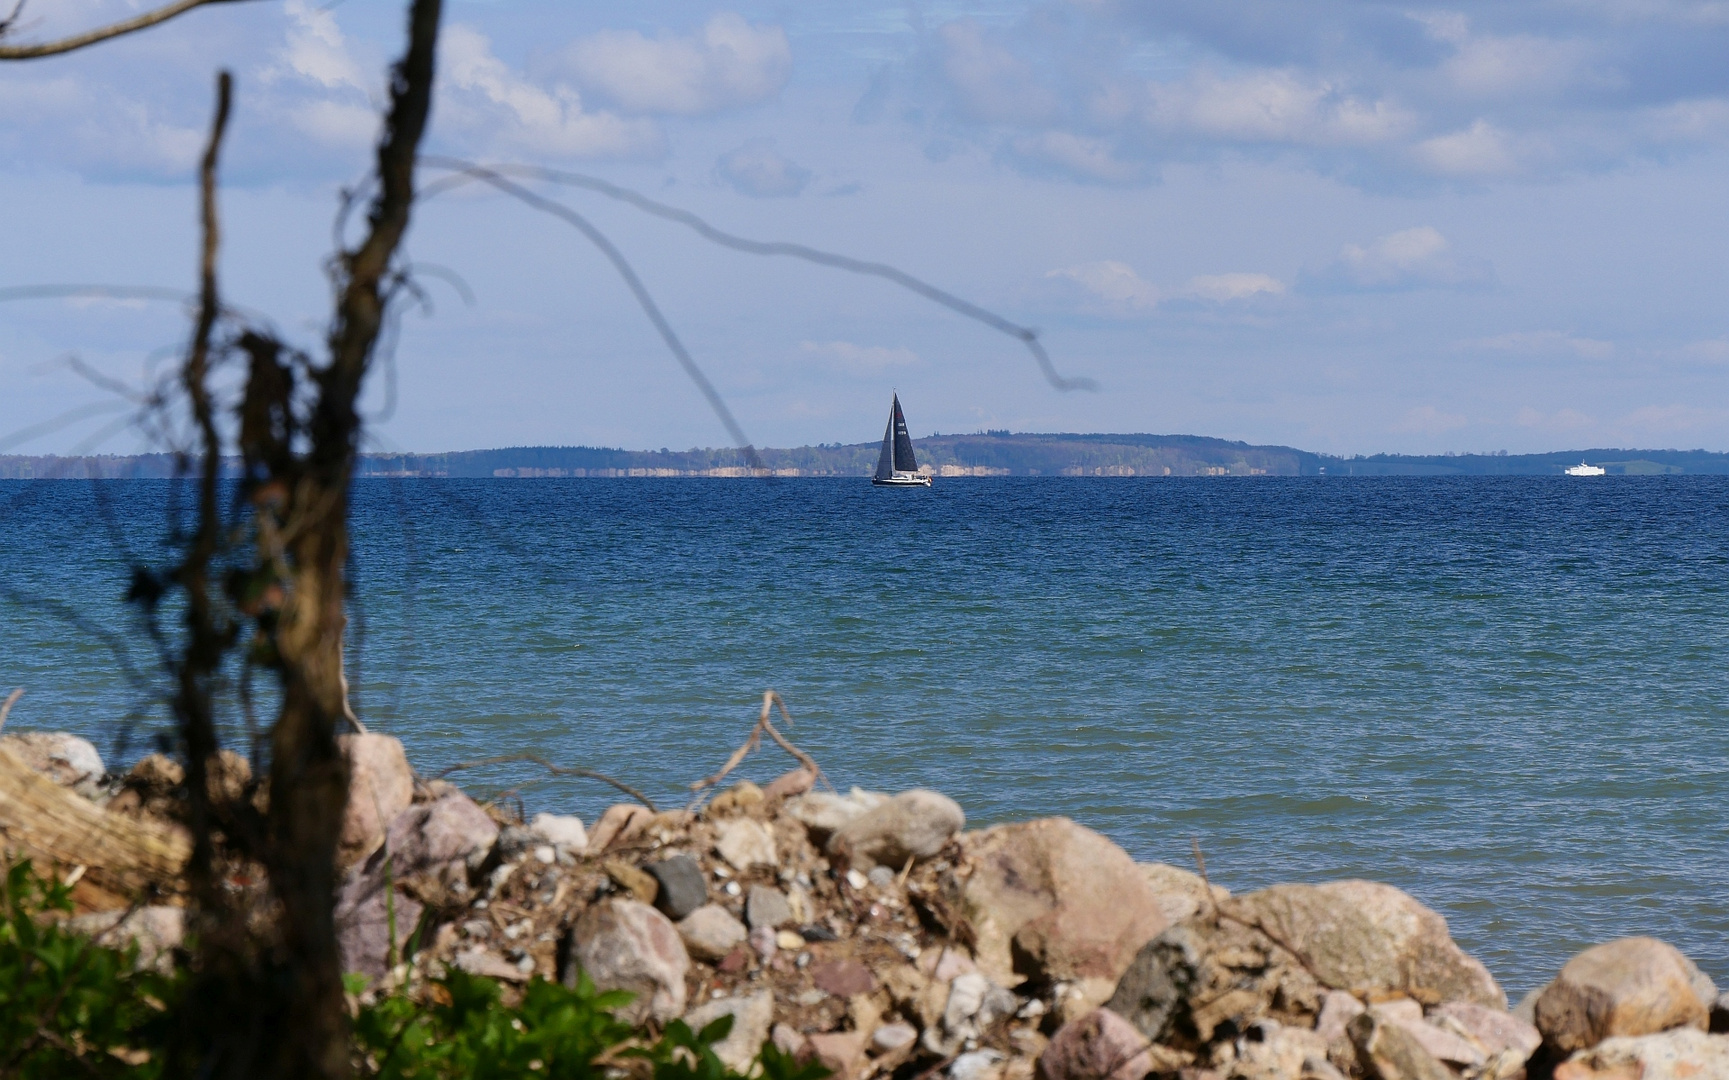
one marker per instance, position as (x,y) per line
(1503,695)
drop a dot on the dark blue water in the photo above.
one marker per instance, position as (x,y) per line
(1504,695)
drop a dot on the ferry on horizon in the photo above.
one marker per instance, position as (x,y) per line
(896,466)
(1583,469)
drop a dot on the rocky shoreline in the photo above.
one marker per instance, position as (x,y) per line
(875,933)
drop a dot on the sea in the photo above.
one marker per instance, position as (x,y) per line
(1506,696)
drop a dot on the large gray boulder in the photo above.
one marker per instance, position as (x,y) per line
(915,824)
(627,945)
(447,838)
(1369,939)
(1054,901)
(1200,982)
(1630,987)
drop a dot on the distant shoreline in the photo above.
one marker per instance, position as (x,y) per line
(990,454)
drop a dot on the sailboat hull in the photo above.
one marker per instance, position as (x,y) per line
(914,480)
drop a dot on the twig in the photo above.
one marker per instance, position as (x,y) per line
(1206,885)
(770,701)
(91,37)
(556,770)
(6,706)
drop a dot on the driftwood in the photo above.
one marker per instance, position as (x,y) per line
(122,859)
(770,702)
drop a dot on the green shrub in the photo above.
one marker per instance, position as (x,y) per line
(556,1032)
(70,1007)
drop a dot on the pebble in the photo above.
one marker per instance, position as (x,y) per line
(881,876)
(893,1036)
(762,940)
(545,854)
(767,907)
(856,879)
(682,887)
(788,940)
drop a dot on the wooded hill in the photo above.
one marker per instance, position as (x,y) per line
(996,453)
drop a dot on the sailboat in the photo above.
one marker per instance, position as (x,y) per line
(895,465)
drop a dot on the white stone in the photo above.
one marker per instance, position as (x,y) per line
(751,1017)
(745,842)
(562,831)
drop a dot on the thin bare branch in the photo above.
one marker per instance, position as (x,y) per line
(1024,334)
(556,770)
(6,706)
(637,289)
(770,701)
(92,37)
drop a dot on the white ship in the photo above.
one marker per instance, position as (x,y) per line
(1583,469)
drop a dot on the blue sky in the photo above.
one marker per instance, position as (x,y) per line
(1347,226)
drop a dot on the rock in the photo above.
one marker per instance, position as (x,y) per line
(627,945)
(1493,1030)
(741,798)
(61,756)
(881,876)
(638,883)
(891,1037)
(1389,1052)
(1099,1046)
(788,1040)
(683,888)
(563,831)
(618,823)
(843,978)
(766,907)
(1181,894)
(710,932)
(744,843)
(1370,939)
(1633,986)
(380,786)
(1337,1009)
(786,785)
(1271,1051)
(1526,1010)
(156,772)
(1200,980)
(365,907)
(822,813)
(840,1051)
(448,838)
(974,1004)
(483,961)
(789,940)
(1442,1045)
(751,1017)
(1052,900)
(977,1065)
(763,940)
(1681,1054)
(915,824)
(157,931)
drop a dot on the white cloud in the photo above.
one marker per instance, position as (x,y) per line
(487,103)
(993,84)
(756,169)
(1272,106)
(1481,150)
(1221,288)
(729,64)
(316,49)
(1428,420)
(1089,158)
(68,118)
(859,359)
(1407,259)
(1541,342)
(1114,282)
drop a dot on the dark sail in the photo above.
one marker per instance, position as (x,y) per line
(886,459)
(903,442)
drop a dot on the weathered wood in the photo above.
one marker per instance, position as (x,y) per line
(54,827)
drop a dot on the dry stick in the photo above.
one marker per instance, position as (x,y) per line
(1252,924)
(770,700)
(1206,886)
(6,706)
(91,37)
(556,770)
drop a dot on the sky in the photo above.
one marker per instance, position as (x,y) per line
(1351,227)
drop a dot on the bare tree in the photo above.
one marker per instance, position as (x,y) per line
(264,568)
